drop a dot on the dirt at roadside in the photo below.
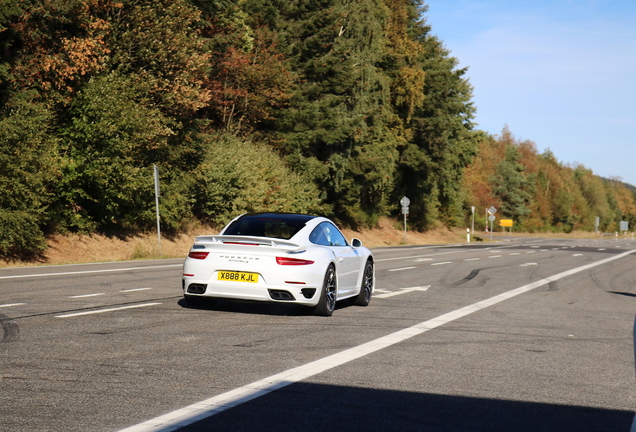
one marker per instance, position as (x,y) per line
(73,248)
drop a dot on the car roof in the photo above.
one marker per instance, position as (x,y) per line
(292,217)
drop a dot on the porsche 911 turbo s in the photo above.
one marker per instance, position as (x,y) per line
(280,257)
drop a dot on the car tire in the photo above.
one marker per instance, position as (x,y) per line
(366,287)
(328,293)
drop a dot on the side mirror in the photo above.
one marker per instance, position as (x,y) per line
(356,243)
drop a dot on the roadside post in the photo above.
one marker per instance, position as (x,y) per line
(156,171)
(491,211)
(405,211)
(472,223)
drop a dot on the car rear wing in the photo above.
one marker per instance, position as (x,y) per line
(213,240)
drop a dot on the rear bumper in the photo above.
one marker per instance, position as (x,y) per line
(288,293)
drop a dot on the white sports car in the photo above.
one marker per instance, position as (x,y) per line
(280,257)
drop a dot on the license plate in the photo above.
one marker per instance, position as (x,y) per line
(235,276)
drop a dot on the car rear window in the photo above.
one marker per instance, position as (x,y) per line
(281,226)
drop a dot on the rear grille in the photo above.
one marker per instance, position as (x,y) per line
(197,288)
(281,295)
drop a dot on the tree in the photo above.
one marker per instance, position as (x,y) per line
(512,187)
(28,169)
(442,143)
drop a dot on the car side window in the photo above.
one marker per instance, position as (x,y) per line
(326,234)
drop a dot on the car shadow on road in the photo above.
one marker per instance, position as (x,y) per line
(311,407)
(255,307)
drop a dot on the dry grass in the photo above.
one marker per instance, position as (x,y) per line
(72,249)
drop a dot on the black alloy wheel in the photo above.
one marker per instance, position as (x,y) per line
(327,302)
(366,288)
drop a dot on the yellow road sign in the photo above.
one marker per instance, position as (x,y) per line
(505,222)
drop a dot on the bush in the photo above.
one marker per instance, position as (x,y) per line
(239,176)
(20,235)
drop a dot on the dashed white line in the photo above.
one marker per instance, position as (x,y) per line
(442,263)
(401,268)
(402,291)
(87,295)
(214,405)
(472,259)
(423,259)
(135,289)
(106,310)
(11,305)
(495,256)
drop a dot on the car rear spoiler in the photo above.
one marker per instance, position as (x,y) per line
(247,241)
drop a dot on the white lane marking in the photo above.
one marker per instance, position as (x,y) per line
(423,259)
(527,264)
(87,295)
(577,254)
(442,263)
(515,253)
(402,291)
(90,271)
(602,249)
(11,305)
(472,259)
(433,254)
(216,404)
(403,268)
(105,310)
(495,256)
(135,289)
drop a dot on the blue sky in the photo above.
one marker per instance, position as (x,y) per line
(560,73)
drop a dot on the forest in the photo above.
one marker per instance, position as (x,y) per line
(332,107)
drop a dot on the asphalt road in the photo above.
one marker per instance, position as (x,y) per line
(522,335)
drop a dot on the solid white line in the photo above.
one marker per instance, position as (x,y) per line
(105,310)
(87,295)
(403,268)
(89,271)
(214,405)
(11,305)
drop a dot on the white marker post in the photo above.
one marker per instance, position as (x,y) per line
(405,210)
(156,170)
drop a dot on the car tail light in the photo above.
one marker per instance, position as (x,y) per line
(292,261)
(242,243)
(198,255)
